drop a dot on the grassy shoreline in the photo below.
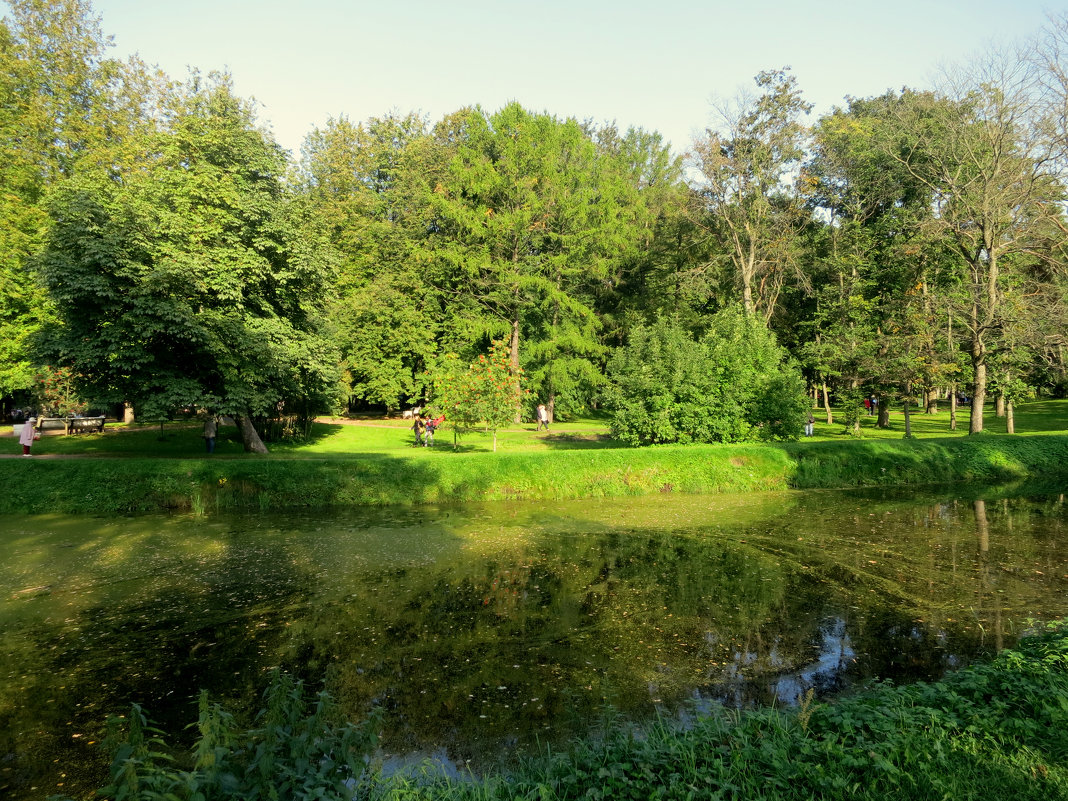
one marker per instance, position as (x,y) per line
(137,484)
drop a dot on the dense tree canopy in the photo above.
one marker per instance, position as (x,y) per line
(158,247)
(191,280)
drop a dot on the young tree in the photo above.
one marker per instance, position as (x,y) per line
(486,392)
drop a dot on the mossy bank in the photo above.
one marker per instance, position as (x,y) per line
(126,485)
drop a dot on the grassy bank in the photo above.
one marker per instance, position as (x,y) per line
(133,470)
(131,485)
(996,730)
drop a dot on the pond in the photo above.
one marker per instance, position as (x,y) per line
(486,630)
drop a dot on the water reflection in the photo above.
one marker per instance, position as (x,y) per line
(482,630)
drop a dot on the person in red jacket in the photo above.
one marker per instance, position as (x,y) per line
(431,427)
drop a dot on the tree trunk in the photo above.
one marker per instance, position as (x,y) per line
(982,526)
(932,401)
(908,415)
(1010,423)
(250,438)
(128,413)
(952,407)
(748,270)
(827,404)
(513,357)
(975,420)
(999,405)
(883,420)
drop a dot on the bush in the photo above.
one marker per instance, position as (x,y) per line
(735,384)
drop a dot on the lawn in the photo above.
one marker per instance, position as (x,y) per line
(366,436)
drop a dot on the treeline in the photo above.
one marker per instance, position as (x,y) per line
(160,249)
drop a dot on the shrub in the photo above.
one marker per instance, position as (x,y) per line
(734,384)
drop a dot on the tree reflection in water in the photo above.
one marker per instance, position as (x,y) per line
(484,630)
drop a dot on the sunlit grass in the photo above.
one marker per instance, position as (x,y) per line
(373,462)
(1030,418)
(339,437)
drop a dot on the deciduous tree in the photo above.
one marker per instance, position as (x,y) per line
(192,279)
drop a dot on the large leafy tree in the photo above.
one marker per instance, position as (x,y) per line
(62,102)
(530,216)
(192,279)
(369,183)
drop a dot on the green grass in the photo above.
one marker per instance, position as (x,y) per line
(130,469)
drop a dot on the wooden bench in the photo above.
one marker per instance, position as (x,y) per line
(71,425)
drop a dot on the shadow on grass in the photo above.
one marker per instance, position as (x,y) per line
(131,485)
(576,441)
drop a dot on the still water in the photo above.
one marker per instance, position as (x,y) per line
(484,630)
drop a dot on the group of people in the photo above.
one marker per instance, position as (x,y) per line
(424,428)
(871,405)
(20,415)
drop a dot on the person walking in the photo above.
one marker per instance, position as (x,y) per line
(28,435)
(431,426)
(810,424)
(419,427)
(211,428)
(543,417)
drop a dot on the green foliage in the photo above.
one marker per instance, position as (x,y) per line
(487,392)
(301,748)
(193,280)
(735,384)
(55,394)
(996,730)
(658,386)
(59,97)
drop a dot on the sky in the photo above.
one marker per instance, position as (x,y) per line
(658,64)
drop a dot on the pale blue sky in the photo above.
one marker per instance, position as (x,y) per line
(651,64)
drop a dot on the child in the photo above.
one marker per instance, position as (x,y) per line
(29,434)
(431,427)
